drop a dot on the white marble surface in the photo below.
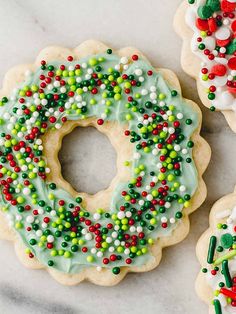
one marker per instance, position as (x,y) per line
(27,26)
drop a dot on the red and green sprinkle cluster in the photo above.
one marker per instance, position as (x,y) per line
(220,271)
(214,42)
(56,228)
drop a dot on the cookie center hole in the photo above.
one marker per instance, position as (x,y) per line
(88,160)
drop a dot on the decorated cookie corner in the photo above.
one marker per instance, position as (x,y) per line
(216,251)
(208,30)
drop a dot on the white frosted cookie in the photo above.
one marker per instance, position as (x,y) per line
(160,161)
(208,29)
(216,251)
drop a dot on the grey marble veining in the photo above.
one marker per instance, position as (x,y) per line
(26,27)
(19,298)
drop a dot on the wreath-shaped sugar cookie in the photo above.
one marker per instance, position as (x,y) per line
(216,250)
(208,29)
(161,159)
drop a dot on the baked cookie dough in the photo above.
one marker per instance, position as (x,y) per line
(216,250)
(208,29)
(161,159)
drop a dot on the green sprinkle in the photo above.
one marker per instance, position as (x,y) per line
(174,93)
(214,4)
(50,263)
(78,200)
(226,273)
(231,48)
(226,240)
(32,242)
(204,12)
(225,257)
(211,250)
(217,306)
(116,270)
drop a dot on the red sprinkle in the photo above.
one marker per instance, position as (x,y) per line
(100,121)
(134,57)
(212,25)
(232,63)
(202,25)
(227,6)
(219,69)
(70,58)
(223,43)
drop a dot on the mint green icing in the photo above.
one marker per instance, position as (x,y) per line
(118,111)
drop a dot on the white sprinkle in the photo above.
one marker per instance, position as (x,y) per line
(121,215)
(155,179)
(171,130)
(124,60)
(96,216)
(139,229)
(149,197)
(114,234)
(182,188)
(108,239)
(30,219)
(163,219)
(154,151)
(26,191)
(50,238)
(167,205)
(179,115)
(138,72)
(132,229)
(137,155)
(177,148)
(153,96)
(39,233)
(88,236)
(117,242)
(126,251)
(28,73)
(144,92)
(128,214)
(84,231)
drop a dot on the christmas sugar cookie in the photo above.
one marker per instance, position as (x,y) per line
(208,30)
(161,159)
(216,250)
